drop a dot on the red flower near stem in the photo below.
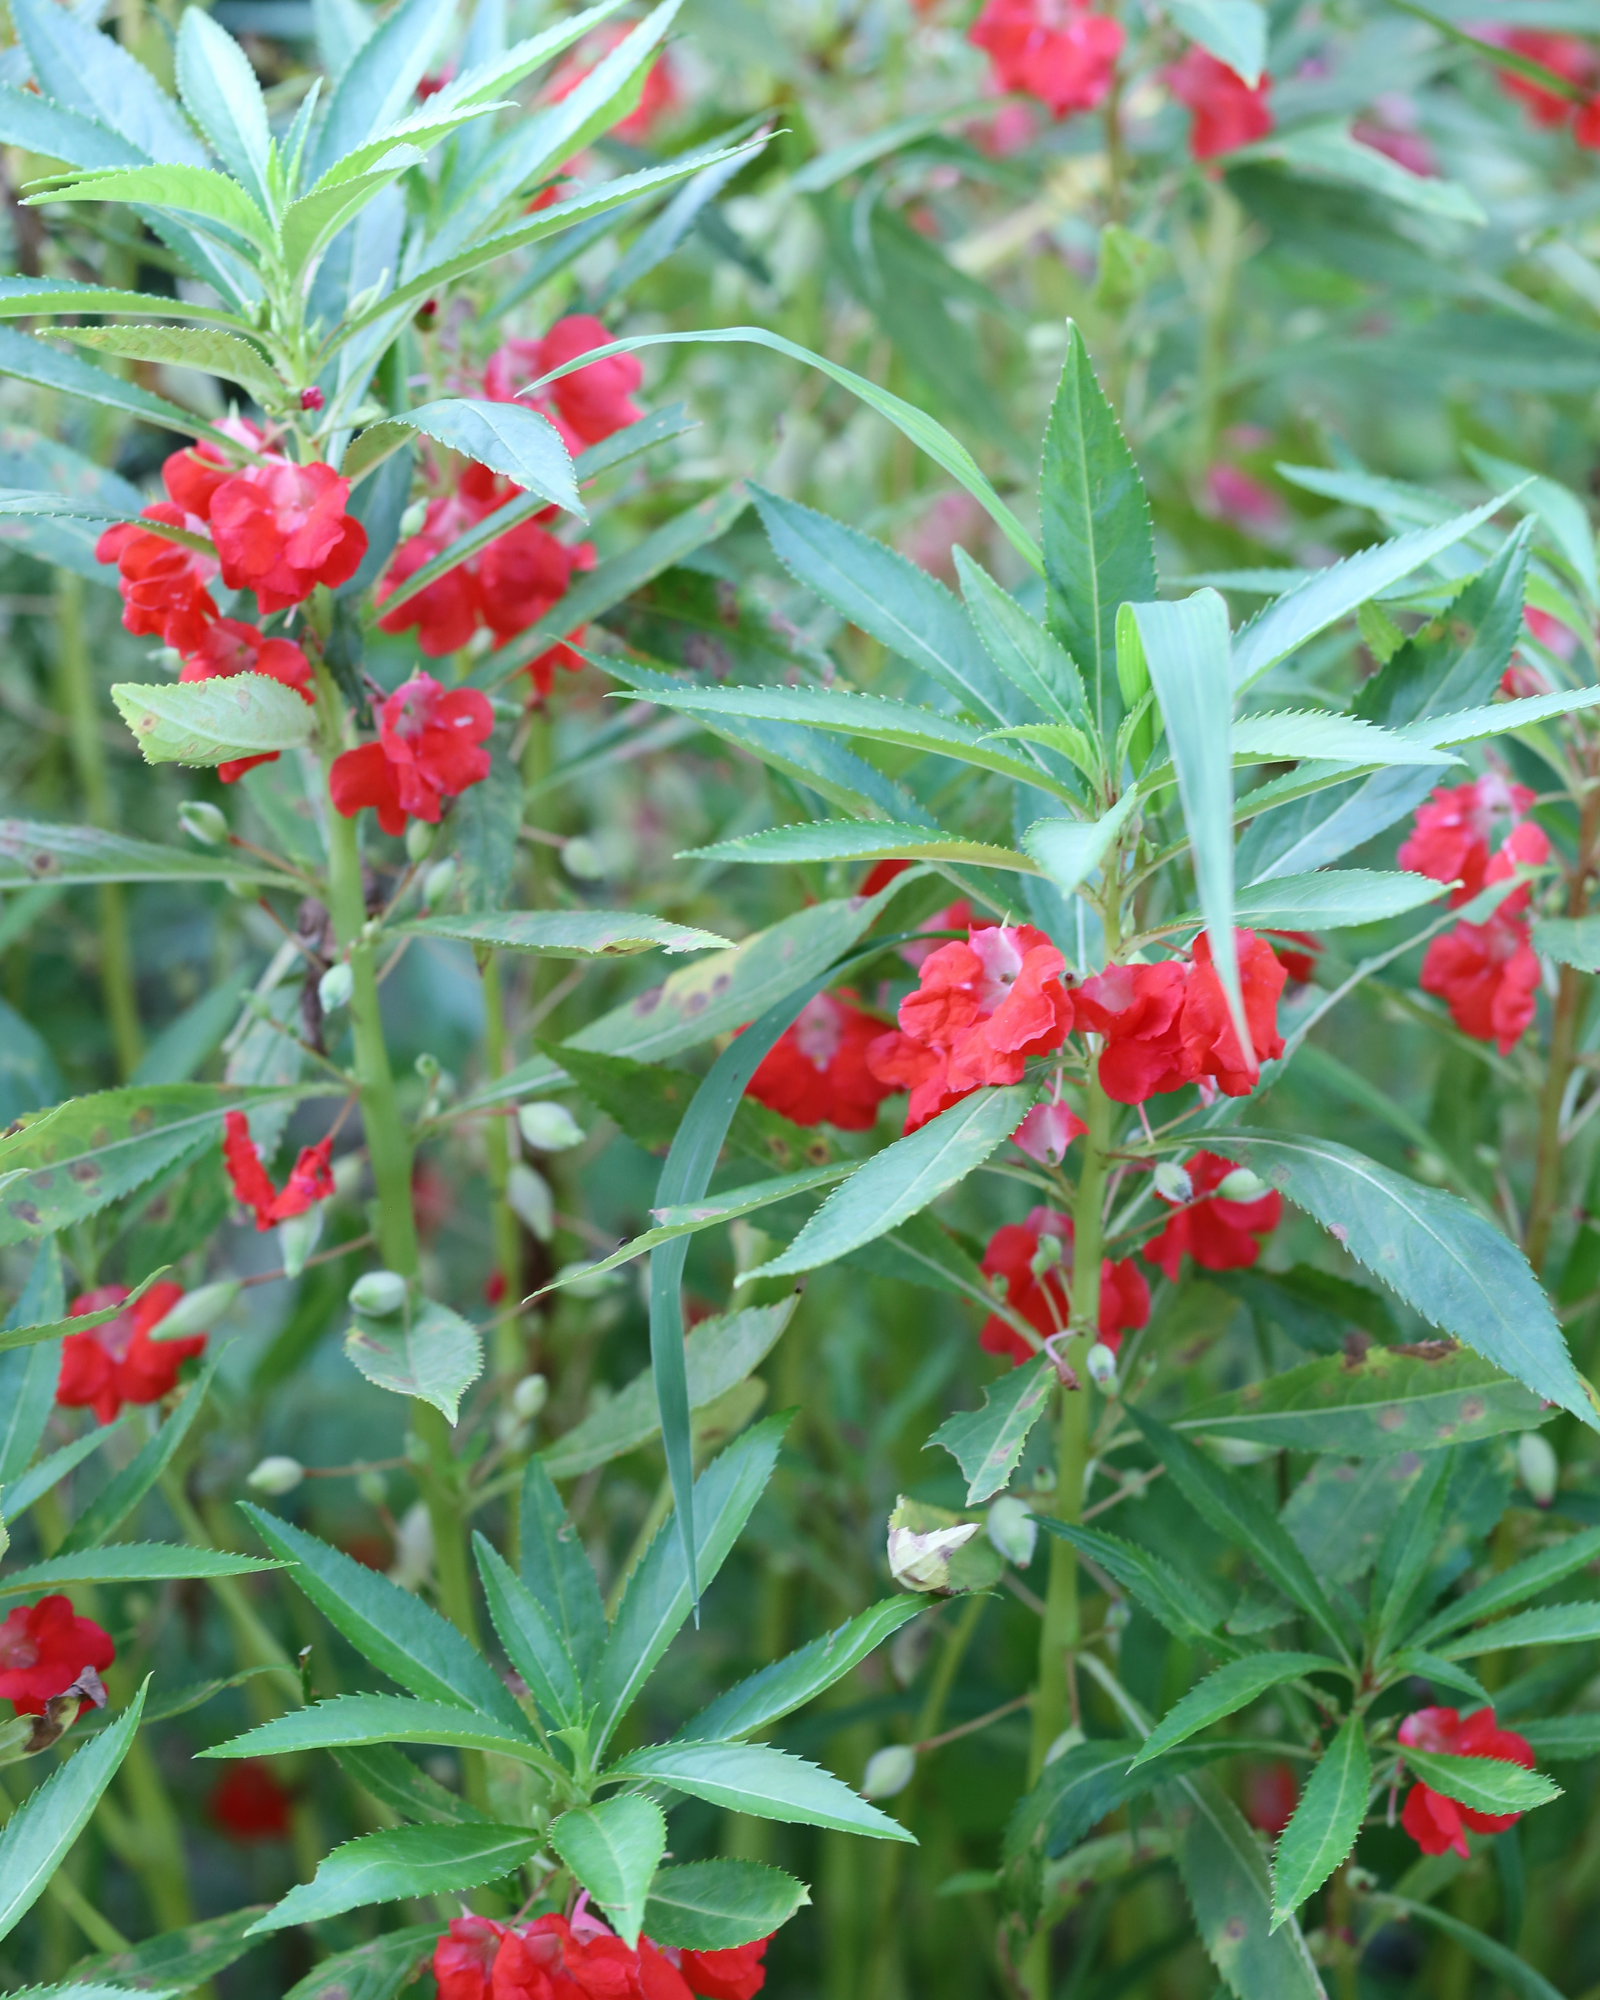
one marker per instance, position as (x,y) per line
(281,529)
(1488,976)
(1047,1131)
(981,1010)
(587,406)
(1297,953)
(479,1959)
(1577,61)
(117,1362)
(1437,1823)
(250,1804)
(44,1647)
(229,647)
(1057,51)
(429,749)
(1043,1295)
(1270,1797)
(1228,112)
(310,1179)
(816,1072)
(1450,839)
(163,584)
(1218,1235)
(659,98)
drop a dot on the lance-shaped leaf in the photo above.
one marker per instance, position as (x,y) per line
(214,203)
(790,1683)
(1499,718)
(1553,1625)
(1486,1784)
(719,1905)
(1441,1256)
(1342,739)
(987,1443)
(1329,152)
(859,840)
(1521,1581)
(175,1959)
(398,1782)
(30,360)
(1323,1827)
(1184,1605)
(205,348)
(1573,941)
(362,1719)
(1041,669)
(1225,1692)
(1331,901)
(507,437)
(1407,1548)
(55,1329)
(905,1178)
(614,1849)
(571,933)
(557,1571)
(122,1493)
(401,1862)
(754,1778)
(431,1353)
(211,722)
(220,90)
(380,83)
(33,852)
(528,1633)
(1564,1738)
(18,1495)
(90,73)
(1070,850)
(130,1562)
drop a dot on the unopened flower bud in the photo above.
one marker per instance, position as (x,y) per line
(378,1294)
(531,1201)
(1102,1366)
(420,836)
(529,1397)
(1538,1468)
(1242,1185)
(411,524)
(1173,1182)
(427,1067)
(1013,1530)
(311,398)
(551,1128)
(438,882)
(197,1311)
(203,821)
(922,1561)
(276,1475)
(335,987)
(372,1486)
(1046,1257)
(581,859)
(298,1237)
(889,1771)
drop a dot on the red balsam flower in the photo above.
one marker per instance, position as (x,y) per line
(44,1647)
(1044,1299)
(1567,56)
(163,584)
(117,1362)
(310,1179)
(250,1804)
(981,1010)
(281,529)
(659,98)
(1450,839)
(557,1959)
(429,749)
(1058,51)
(1434,1822)
(1218,1235)
(1488,976)
(816,1072)
(1228,112)
(587,406)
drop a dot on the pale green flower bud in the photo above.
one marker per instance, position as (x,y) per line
(889,1771)
(1013,1530)
(203,821)
(438,882)
(1538,1468)
(529,1397)
(378,1294)
(276,1475)
(335,987)
(1242,1185)
(922,1561)
(551,1128)
(1173,1182)
(420,837)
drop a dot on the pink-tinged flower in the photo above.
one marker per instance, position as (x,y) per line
(553,1957)
(1577,61)
(1407,149)
(117,1362)
(953,517)
(659,98)
(310,1178)
(1550,632)
(1243,501)
(429,749)
(1228,112)
(229,647)
(44,1647)
(1044,1298)
(1169,1024)
(1047,1131)
(281,529)
(1219,1235)
(726,1975)
(816,1072)
(1436,1823)
(445,614)
(1058,51)
(163,584)
(1488,976)
(1450,840)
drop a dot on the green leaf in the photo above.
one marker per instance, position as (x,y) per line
(614,1849)
(1224,1693)
(1438,1254)
(1331,901)
(180,1960)
(1182,1604)
(1074,1792)
(121,1494)
(1512,1586)
(1232,1508)
(40,1833)
(395,1781)
(987,1443)
(131,1562)
(1407,1548)
(1043,671)
(1329,153)
(89,73)
(211,200)
(30,360)
(1069,850)
(720,1353)
(1552,1625)
(401,1862)
(660,1592)
(1235,32)
(507,437)
(220,91)
(1323,1827)
(33,852)
(904,1178)
(1369,1406)
(1500,718)
(54,1329)
(310,224)
(1442,1673)
(431,1353)
(380,84)
(396,1631)
(1486,1784)
(1098,545)
(1564,1738)
(858,840)
(211,722)
(17,1497)
(377,1970)
(1518,1977)
(532,1643)
(754,1778)
(719,1905)
(787,1684)
(1565,519)
(351,1719)
(1573,941)
(570,933)
(556,1570)
(205,348)
(1345,739)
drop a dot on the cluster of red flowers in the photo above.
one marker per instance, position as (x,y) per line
(1487,974)
(1058,51)
(1434,1822)
(1219,1235)
(1041,1290)
(310,1179)
(429,749)
(117,1362)
(816,1072)
(43,1650)
(478,1959)
(1228,112)
(1577,61)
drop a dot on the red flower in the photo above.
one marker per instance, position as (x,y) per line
(1586,126)
(659,98)
(445,615)
(1055,50)
(250,1804)
(726,1975)
(229,647)
(1270,1797)
(1047,1131)
(163,585)
(1236,497)
(1044,1298)
(1168,1024)
(1576,60)
(44,1648)
(1228,112)
(1437,1823)
(981,1010)
(816,1072)
(478,1959)
(1488,976)
(310,1179)
(281,529)
(1209,1038)
(428,750)
(880,875)
(1218,1235)
(1450,840)
(586,406)
(117,1362)
(1296,952)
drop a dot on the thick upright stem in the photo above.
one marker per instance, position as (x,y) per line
(1566,1020)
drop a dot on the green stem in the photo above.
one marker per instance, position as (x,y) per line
(510,1354)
